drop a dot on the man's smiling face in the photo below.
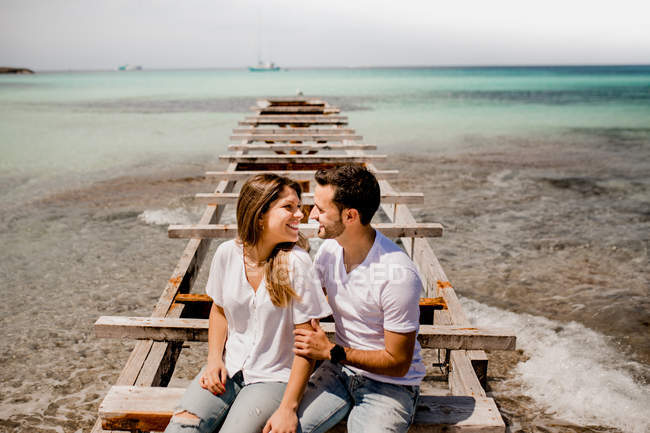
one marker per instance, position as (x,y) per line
(326,213)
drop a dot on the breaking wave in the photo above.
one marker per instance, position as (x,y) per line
(572,371)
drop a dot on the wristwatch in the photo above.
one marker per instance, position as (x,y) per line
(337,354)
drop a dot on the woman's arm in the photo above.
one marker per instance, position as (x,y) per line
(215,374)
(285,419)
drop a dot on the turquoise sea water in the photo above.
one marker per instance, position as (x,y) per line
(71,123)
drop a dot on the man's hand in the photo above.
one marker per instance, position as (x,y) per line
(214,377)
(312,344)
(283,420)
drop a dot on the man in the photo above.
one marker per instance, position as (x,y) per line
(373,372)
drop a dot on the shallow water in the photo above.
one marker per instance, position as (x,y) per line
(544,195)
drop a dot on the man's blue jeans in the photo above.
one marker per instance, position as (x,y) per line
(242,408)
(335,391)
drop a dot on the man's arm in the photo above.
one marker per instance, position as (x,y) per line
(394,360)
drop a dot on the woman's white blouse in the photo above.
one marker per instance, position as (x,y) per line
(260,335)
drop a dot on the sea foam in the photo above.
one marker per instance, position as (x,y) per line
(168,216)
(572,371)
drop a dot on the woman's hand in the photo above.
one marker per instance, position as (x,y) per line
(283,420)
(214,377)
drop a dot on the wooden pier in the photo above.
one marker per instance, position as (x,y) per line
(282,128)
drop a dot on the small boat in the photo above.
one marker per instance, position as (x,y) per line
(129,68)
(263,67)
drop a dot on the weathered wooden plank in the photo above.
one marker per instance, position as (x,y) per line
(462,377)
(457,414)
(291,121)
(454,338)
(150,409)
(296,137)
(301,146)
(197,306)
(299,117)
(294,174)
(287,101)
(297,131)
(158,368)
(308,198)
(296,110)
(301,159)
(308,230)
(172,329)
(461,380)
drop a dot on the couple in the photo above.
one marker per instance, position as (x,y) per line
(264,337)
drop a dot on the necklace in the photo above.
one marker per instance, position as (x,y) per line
(251,262)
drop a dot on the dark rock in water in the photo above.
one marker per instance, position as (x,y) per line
(583,185)
(6,70)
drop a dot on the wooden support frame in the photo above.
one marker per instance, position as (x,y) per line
(296,109)
(151,362)
(297,131)
(197,306)
(292,121)
(150,409)
(302,159)
(308,198)
(209,231)
(294,174)
(289,136)
(309,147)
(291,100)
(173,329)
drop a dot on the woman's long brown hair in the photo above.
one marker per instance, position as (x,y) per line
(255,198)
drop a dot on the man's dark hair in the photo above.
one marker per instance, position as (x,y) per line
(355,187)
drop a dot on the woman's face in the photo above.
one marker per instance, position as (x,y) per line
(280,223)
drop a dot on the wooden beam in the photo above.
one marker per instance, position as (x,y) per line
(204,231)
(197,306)
(150,409)
(462,380)
(301,159)
(302,146)
(288,101)
(168,329)
(297,131)
(291,121)
(294,174)
(296,110)
(290,118)
(296,137)
(308,198)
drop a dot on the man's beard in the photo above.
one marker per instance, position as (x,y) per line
(333,230)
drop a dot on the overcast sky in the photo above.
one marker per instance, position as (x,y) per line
(102,34)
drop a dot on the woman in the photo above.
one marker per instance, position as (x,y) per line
(262,286)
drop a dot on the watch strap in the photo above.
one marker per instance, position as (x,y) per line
(337,354)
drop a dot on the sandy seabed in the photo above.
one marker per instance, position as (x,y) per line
(553,229)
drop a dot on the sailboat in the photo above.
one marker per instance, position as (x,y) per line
(261,66)
(264,66)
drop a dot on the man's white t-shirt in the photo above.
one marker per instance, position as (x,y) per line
(382,293)
(260,335)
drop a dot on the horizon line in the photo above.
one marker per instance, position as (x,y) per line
(288,68)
